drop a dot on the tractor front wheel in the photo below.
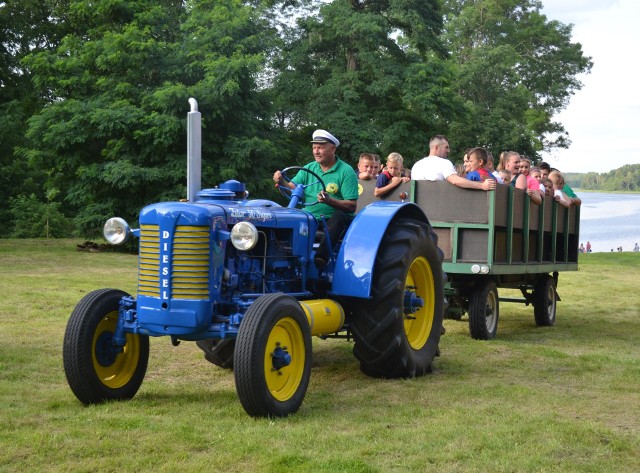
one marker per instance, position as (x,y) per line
(96,369)
(272,359)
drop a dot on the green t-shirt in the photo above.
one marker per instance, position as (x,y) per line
(341,182)
(569,191)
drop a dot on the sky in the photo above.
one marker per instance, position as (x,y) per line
(603,118)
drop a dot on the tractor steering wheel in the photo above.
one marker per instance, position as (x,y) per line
(296,195)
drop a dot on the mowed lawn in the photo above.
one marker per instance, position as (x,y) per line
(563,398)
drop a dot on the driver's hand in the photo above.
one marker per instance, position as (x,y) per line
(277,177)
(323,197)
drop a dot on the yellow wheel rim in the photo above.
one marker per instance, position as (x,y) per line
(120,371)
(287,335)
(417,326)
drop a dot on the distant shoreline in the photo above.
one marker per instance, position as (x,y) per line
(577,189)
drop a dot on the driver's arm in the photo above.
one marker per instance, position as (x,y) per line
(279,180)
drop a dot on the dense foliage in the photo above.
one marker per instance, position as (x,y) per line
(94,94)
(372,71)
(515,70)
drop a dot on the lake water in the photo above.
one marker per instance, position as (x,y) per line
(609,220)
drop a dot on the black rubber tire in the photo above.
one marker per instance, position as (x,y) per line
(218,351)
(93,372)
(544,301)
(484,310)
(386,341)
(273,321)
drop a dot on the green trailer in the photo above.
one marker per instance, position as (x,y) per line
(491,240)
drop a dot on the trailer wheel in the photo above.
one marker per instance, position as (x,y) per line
(96,370)
(484,310)
(218,351)
(394,337)
(273,356)
(544,301)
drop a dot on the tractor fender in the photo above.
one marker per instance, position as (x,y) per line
(356,258)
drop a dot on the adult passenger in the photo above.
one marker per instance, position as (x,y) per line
(512,164)
(436,167)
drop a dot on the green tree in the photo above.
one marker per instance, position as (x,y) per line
(373,72)
(515,71)
(625,178)
(26,26)
(113,136)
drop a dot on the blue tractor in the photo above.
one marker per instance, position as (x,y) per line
(237,276)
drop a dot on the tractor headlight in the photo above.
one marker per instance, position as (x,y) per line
(116,231)
(244,236)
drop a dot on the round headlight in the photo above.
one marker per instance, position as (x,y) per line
(244,236)
(116,231)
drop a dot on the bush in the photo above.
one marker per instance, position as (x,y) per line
(35,219)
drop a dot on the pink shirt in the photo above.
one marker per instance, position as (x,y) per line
(533,183)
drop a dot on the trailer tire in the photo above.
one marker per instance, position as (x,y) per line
(97,372)
(388,342)
(274,328)
(218,351)
(484,311)
(544,301)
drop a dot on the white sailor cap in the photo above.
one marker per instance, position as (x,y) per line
(323,136)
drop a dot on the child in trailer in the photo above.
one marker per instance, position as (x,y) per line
(477,165)
(366,167)
(548,187)
(391,177)
(505,175)
(558,183)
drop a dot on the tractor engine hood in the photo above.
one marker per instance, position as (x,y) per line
(220,214)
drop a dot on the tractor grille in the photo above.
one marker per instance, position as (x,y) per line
(189,262)
(149,261)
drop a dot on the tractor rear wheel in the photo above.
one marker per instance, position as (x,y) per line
(218,351)
(394,336)
(544,301)
(97,370)
(273,356)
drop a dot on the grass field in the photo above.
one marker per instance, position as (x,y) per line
(563,398)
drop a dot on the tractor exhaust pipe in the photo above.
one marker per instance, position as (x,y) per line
(194,151)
